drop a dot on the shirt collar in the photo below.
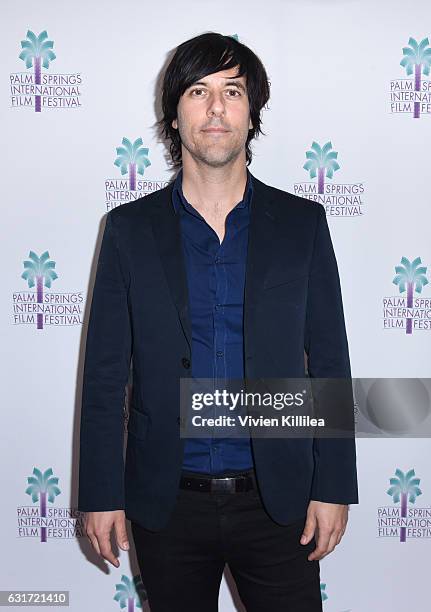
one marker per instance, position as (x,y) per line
(178,196)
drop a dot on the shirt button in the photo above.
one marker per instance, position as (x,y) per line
(217,259)
(219,353)
(185,362)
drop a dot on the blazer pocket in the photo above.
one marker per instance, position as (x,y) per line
(274,281)
(137,424)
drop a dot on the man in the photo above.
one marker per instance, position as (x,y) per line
(216,276)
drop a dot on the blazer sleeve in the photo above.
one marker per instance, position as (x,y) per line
(106,369)
(335,476)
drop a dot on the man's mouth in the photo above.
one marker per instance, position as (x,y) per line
(216,130)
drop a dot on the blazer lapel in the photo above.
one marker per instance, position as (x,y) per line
(167,233)
(261,241)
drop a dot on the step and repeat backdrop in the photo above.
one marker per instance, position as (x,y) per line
(348,125)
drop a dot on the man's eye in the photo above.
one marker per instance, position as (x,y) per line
(198,92)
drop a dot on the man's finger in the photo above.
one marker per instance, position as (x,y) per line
(340,535)
(94,542)
(333,541)
(121,533)
(309,529)
(329,548)
(106,550)
(322,542)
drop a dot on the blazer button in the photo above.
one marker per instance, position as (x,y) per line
(185,362)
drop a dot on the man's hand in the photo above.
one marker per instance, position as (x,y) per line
(98,527)
(330,521)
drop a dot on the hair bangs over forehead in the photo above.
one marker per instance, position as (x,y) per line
(206,58)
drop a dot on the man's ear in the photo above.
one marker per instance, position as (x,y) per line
(174,124)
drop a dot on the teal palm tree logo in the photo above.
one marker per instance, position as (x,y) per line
(402,486)
(322,591)
(41,486)
(417,59)
(235,36)
(130,591)
(410,275)
(132,158)
(37,50)
(39,271)
(321,160)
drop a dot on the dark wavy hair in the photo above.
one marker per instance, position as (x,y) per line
(196,58)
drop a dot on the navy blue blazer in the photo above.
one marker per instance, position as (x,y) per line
(140,313)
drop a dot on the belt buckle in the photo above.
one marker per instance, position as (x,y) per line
(223,485)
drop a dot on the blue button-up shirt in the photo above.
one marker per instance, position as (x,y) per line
(216,279)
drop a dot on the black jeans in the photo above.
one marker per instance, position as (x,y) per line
(182,565)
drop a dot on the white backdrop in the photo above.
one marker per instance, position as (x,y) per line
(336,78)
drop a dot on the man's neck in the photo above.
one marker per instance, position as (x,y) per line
(214,191)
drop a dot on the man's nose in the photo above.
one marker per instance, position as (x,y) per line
(216,105)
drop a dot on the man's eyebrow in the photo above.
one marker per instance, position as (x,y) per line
(229,82)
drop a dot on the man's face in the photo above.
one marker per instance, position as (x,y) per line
(213,118)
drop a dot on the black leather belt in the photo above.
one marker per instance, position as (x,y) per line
(220,484)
